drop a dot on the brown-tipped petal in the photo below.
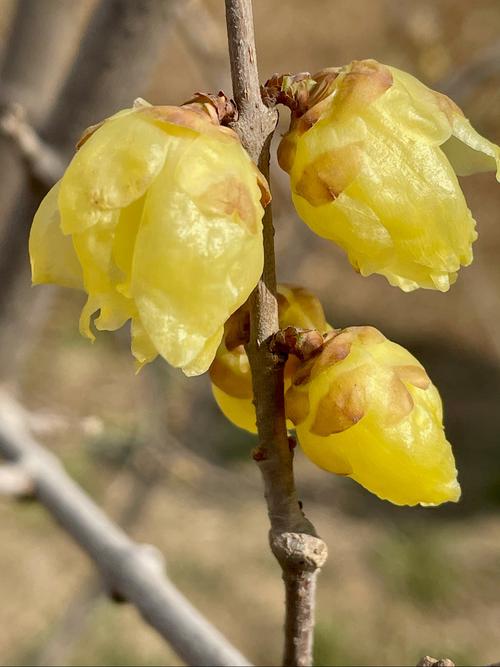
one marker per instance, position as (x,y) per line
(327,176)
(336,348)
(291,367)
(296,405)
(368,334)
(237,328)
(364,82)
(303,374)
(414,375)
(286,152)
(229,381)
(227,197)
(265,191)
(400,402)
(195,117)
(342,407)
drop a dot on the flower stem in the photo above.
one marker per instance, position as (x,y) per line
(293,538)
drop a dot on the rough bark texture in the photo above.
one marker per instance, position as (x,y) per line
(293,538)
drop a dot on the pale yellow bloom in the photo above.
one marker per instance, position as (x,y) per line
(373,160)
(230,371)
(365,408)
(158,218)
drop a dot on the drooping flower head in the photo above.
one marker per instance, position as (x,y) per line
(158,218)
(230,371)
(373,157)
(364,407)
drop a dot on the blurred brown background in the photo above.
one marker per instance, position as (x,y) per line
(153,449)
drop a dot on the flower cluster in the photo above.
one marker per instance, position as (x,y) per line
(158,218)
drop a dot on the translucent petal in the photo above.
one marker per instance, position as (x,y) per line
(94,250)
(53,258)
(469,152)
(416,108)
(198,252)
(142,347)
(396,446)
(113,168)
(379,179)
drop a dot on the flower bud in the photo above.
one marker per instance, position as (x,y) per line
(159,219)
(373,157)
(230,371)
(365,408)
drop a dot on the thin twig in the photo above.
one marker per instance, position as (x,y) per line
(130,571)
(45,164)
(293,538)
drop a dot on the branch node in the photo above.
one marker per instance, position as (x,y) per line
(427,661)
(298,553)
(259,454)
(302,343)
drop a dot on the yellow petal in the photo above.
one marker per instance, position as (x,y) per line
(239,411)
(376,411)
(112,169)
(196,258)
(142,347)
(53,258)
(376,177)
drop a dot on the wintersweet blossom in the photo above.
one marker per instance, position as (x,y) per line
(364,407)
(373,157)
(159,219)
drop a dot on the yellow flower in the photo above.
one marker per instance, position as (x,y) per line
(365,408)
(230,371)
(373,157)
(158,218)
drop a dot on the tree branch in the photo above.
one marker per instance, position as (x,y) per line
(130,571)
(293,538)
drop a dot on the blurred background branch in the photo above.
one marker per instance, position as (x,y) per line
(130,571)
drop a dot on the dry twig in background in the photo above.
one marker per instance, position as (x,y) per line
(130,571)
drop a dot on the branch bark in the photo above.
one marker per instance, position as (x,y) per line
(294,542)
(131,572)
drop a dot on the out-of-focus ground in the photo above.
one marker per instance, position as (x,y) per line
(153,450)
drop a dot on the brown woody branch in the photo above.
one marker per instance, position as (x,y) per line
(293,538)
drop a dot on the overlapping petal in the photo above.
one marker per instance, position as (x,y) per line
(373,168)
(158,218)
(230,371)
(365,408)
